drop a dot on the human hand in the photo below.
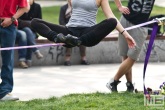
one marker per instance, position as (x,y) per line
(7,22)
(130,41)
(124,10)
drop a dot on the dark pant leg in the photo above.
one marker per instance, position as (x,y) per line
(21,38)
(48,30)
(96,33)
(7,39)
(30,41)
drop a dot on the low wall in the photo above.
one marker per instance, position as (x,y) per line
(105,52)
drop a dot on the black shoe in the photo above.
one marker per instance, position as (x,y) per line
(67,63)
(60,38)
(72,40)
(84,62)
(112,85)
(130,87)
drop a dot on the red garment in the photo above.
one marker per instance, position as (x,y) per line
(8,7)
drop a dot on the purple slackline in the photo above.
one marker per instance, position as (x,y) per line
(151,41)
(32,46)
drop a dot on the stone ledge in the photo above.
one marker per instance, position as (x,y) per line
(104,53)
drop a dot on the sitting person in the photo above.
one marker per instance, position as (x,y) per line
(65,13)
(34,12)
(24,25)
(24,55)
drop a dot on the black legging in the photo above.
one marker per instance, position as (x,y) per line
(92,36)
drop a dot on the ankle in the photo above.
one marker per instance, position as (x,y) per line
(38,54)
(51,36)
(130,86)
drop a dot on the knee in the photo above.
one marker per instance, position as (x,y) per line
(23,36)
(34,22)
(26,29)
(112,22)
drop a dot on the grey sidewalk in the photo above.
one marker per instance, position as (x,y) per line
(44,82)
(160,3)
(51,3)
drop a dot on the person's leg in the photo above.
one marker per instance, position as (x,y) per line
(124,68)
(31,41)
(7,38)
(130,54)
(94,35)
(83,55)
(128,75)
(49,30)
(21,39)
(68,57)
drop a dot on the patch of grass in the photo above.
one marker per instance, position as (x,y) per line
(51,14)
(93,101)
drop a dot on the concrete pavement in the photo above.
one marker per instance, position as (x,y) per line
(51,3)
(160,3)
(58,80)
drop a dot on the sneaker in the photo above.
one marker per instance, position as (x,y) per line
(112,85)
(130,87)
(29,63)
(67,63)
(84,62)
(38,55)
(22,64)
(60,38)
(9,97)
(69,40)
(72,40)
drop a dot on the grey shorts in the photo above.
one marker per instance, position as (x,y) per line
(139,35)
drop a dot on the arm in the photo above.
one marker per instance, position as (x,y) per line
(122,9)
(62,16)
(20,11)
(8,21)
(39,12)
(109,14)
(69,2)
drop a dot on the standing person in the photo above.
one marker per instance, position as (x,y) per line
(83,20)
(138,11)
(65,14)
(10,11)
(24,25)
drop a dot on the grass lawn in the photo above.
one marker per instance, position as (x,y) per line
(51,14)
(94,101)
